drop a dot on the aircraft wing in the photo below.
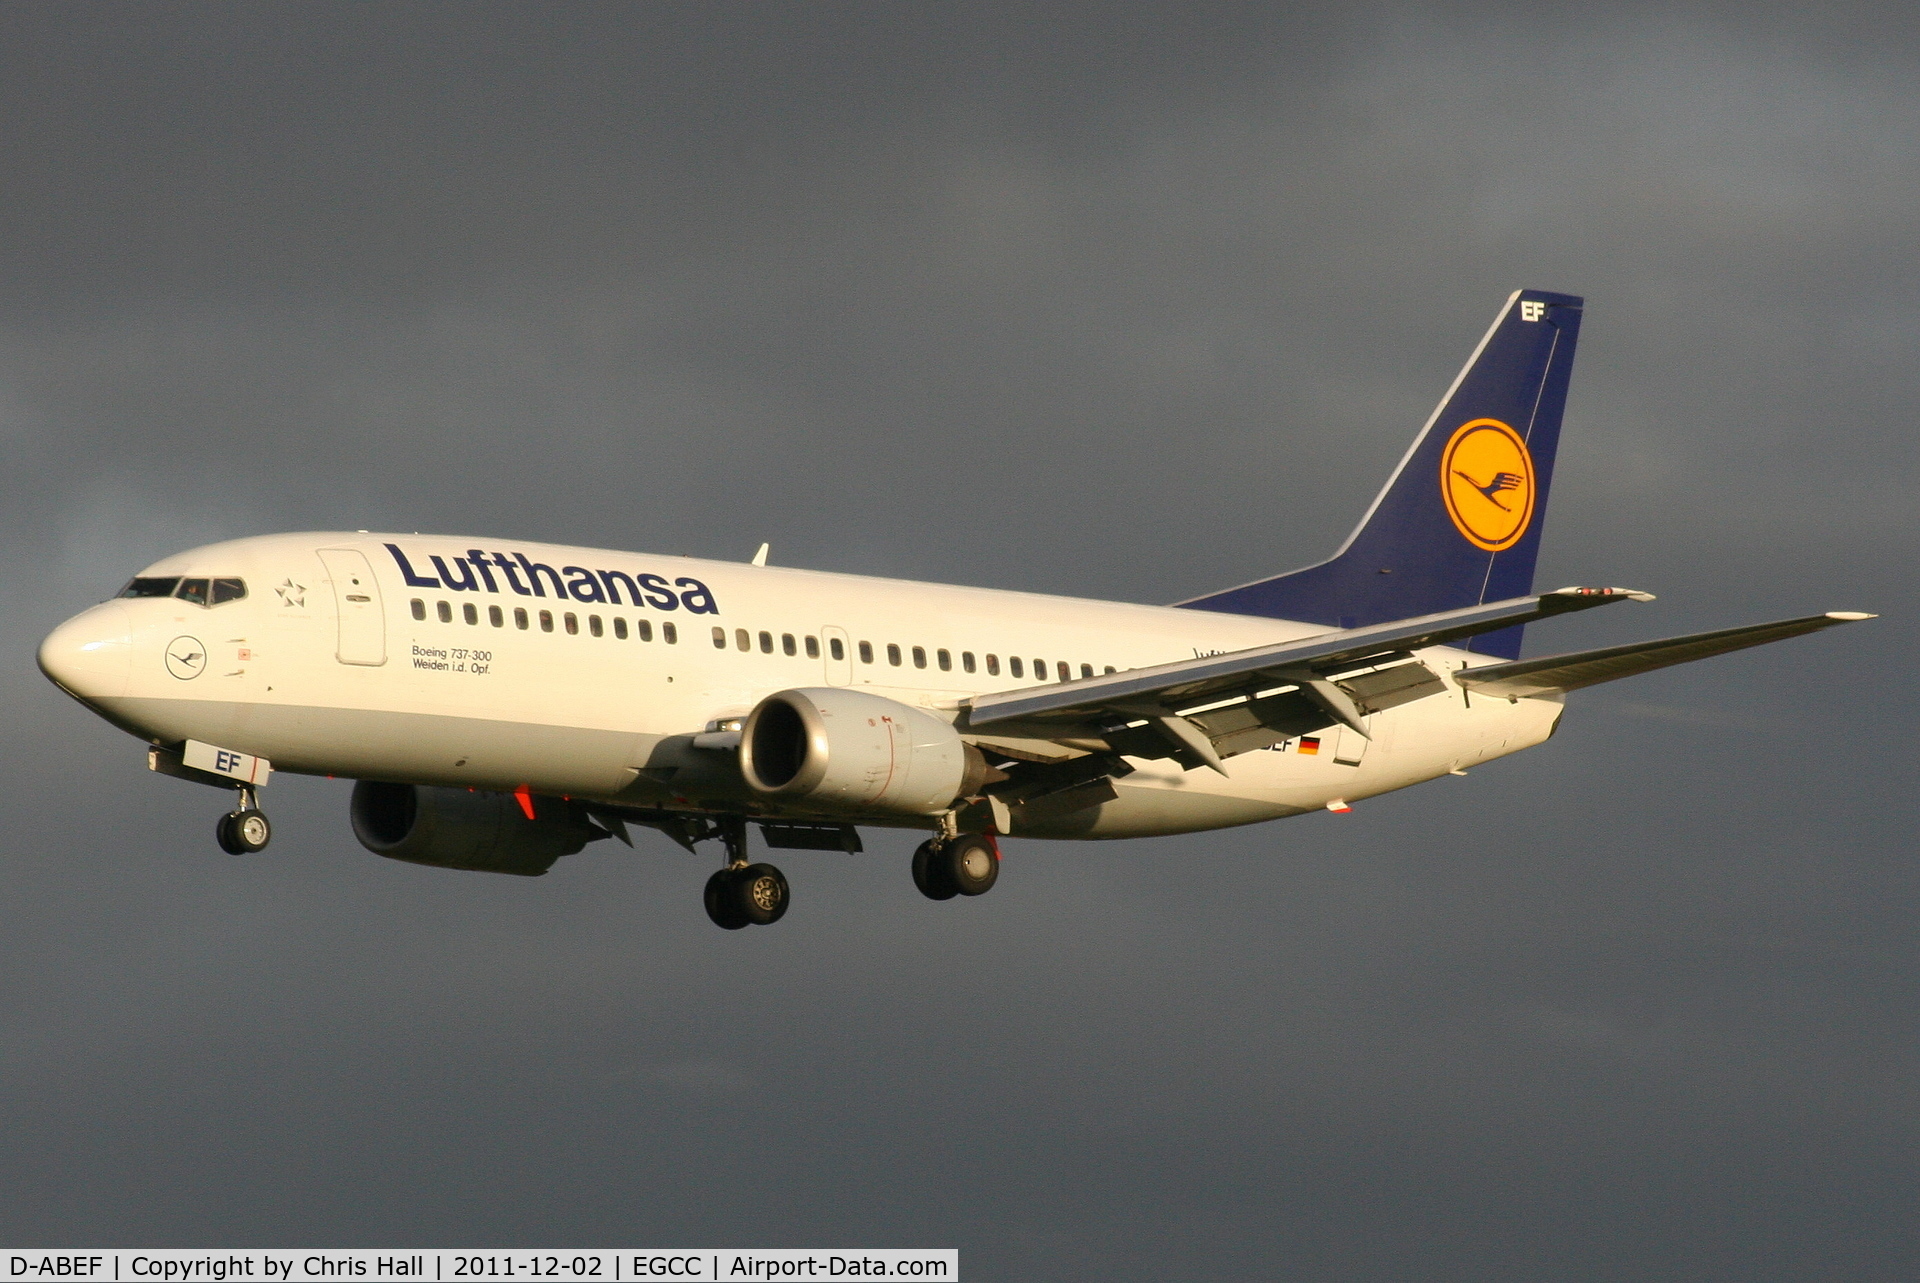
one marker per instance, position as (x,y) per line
(1553,673)
(1093,706)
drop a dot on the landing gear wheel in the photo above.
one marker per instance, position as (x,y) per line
(930,873)
(754,896)
(244,832)
(762,893)
(971,864)
(723,902)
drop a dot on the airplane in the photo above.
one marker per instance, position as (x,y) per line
(501,704)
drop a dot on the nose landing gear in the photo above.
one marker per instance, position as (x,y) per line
(244,830)
(965,865)
(743,894)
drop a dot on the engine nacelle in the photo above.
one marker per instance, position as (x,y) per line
(848,751)
(464,829)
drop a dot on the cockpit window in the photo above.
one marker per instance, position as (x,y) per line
(201,592)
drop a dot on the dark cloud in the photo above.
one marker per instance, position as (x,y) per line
(1122,301)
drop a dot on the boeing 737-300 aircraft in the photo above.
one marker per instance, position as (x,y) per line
(501,704)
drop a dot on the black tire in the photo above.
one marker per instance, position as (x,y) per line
(723,903)
(224,834)
(970,864)
(250,831)
(929,873)
(762,894)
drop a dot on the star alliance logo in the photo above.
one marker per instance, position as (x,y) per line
(292,594)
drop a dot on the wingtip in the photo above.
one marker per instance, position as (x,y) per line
(1849,616)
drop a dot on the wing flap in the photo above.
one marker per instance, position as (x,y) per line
(1211,678)
(1556,673)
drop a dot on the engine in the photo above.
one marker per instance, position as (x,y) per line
(464,829)
(847,751)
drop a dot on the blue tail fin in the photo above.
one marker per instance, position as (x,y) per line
(1459,521)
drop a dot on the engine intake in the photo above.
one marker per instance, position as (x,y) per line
(847,751)
(478,830)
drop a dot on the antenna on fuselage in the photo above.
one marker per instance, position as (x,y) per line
(760,558)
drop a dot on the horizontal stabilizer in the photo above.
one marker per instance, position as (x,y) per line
(1553,673)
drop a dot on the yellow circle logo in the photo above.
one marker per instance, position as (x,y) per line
(1486,477)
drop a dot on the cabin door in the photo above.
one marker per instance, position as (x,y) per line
(356,600)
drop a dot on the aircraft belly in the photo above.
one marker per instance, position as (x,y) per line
(1156,812)
(420,748)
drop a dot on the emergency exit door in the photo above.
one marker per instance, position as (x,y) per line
(356,601)
(838,654)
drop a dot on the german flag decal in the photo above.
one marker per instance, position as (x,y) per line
(1309,745)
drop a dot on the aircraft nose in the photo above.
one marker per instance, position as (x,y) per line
(91,655)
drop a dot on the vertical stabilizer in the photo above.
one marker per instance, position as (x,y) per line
(1459,521)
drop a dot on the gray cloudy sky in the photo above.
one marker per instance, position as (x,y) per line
(1118,300)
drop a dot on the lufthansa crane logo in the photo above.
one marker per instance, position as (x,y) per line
(1486,478)
(186,658)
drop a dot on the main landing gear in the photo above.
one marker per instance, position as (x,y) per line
(244,830)
(743,894)
(965,865)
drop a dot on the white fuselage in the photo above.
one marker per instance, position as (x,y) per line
(387,679)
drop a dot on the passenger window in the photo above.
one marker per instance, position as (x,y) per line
(494,616)
(193,590)
(150,588)
(944,659)
(1039,670)
(966,660)
(225,590)
(1086,670)
(1014,666)
(1065,671)
(546,621)
(593,625)
(520,618)
(742,639)
(643,629)
(1109,668)
(787,645)
(443,610)
(619,628)
(471,611)
(573,624)
(919,657)
(813,648)
(993,665)
(893,654)
(719,639)
(866,652)
(766,643)
(419,609)
(670,634)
